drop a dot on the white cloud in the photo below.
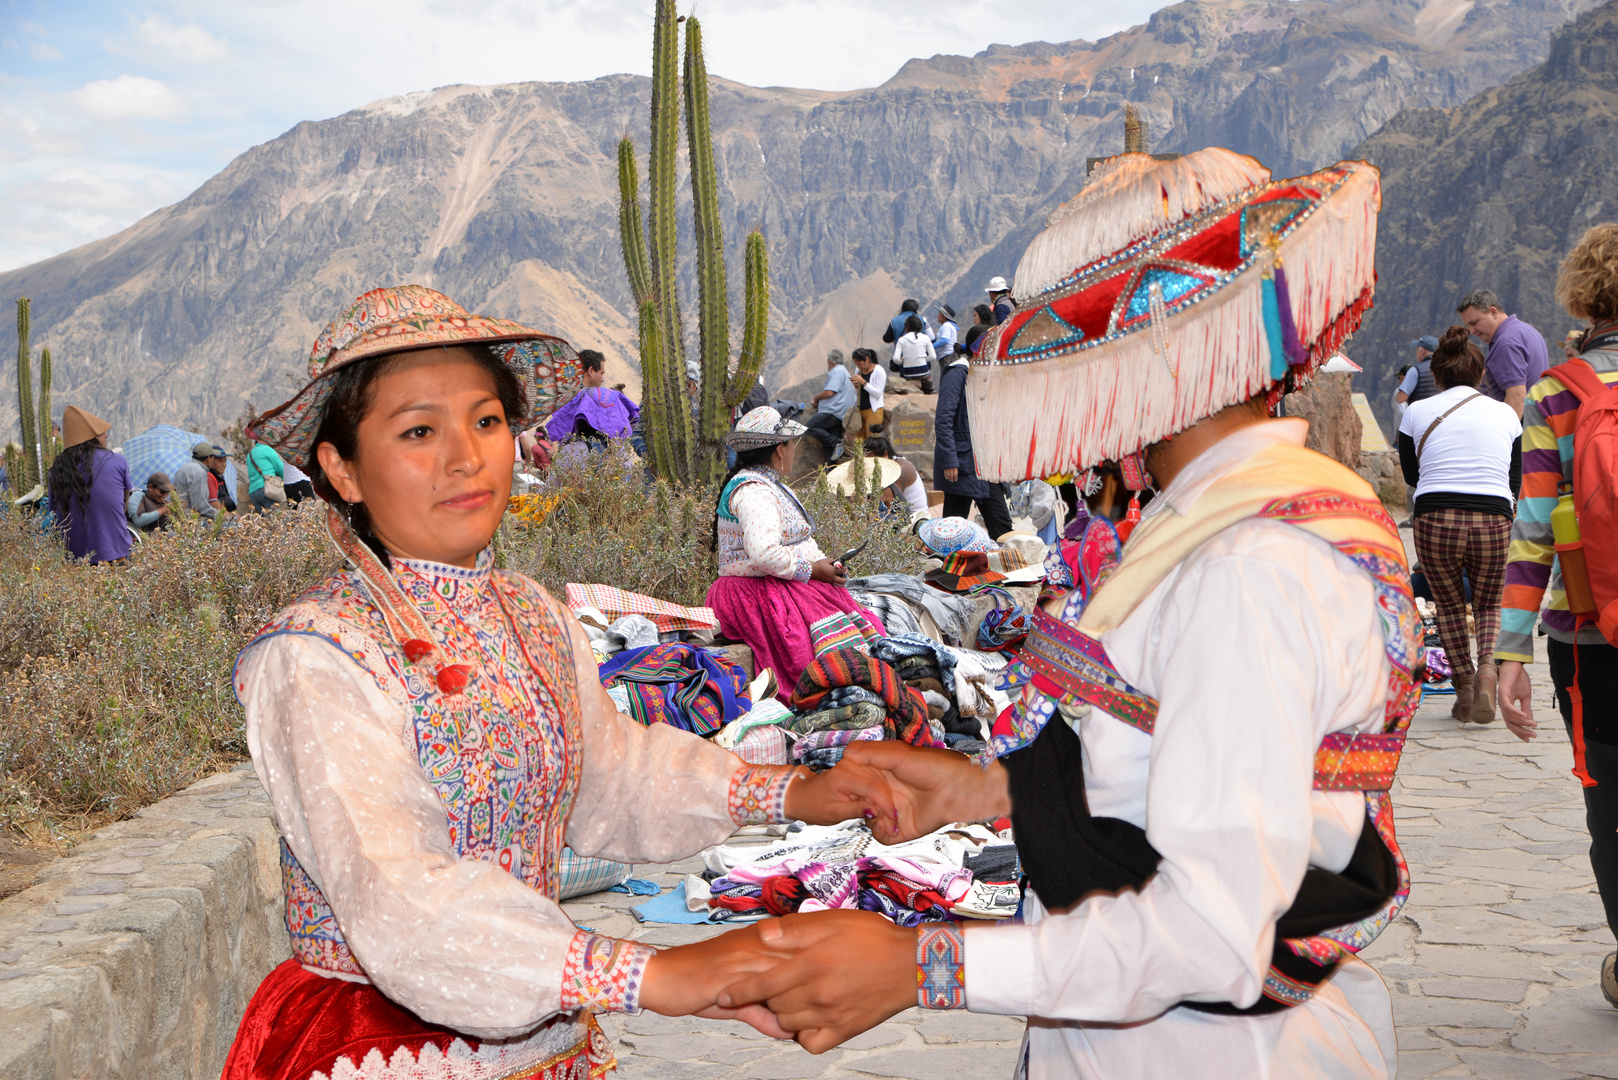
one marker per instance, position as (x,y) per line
(156,38)
(128,97)
(40,50)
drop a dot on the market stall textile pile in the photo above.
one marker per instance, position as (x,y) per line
(679,685)
(613,603)
(846,688)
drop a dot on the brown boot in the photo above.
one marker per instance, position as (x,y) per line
(1483,699)
(1463,684)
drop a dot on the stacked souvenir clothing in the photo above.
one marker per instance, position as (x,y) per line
(678,685)
(847,689)
(952,616)
(822,749)
(966,677)
(843,866)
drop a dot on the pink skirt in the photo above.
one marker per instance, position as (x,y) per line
(772,615)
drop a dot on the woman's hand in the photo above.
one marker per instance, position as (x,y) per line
(829,572)
(838,794)
(951,475)
(686,980)
(930,788)
(846,972)
(1515,692)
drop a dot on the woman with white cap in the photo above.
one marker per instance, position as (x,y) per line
(89,489)
(774,581)
(431,732)
(1000,296)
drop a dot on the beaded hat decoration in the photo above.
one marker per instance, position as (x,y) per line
(398,319)
(1162,293)
(762,427)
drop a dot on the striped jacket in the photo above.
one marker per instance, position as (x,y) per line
(1548,418)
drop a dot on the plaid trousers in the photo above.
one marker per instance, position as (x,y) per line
(1447,542)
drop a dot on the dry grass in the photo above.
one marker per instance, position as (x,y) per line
(115,684)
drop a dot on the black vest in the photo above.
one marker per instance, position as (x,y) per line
(1425,386)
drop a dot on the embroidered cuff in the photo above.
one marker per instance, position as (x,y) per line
(941,966)
(803,567)
(758,794)
(603,974)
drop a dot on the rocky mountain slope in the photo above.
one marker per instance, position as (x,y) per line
(504,197)
(1492,194)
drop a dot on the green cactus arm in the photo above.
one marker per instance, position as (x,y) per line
(713,293)
(47,441)
(654,406)
(26,417)
(755,326)
(631,230)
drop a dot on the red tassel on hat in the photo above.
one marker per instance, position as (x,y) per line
(1131,518)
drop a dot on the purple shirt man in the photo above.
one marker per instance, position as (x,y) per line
(1517,354)
(605,411)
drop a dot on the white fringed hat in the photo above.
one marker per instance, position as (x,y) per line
(1162,293)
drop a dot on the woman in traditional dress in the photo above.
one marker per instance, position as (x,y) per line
(774,581)
(431,732)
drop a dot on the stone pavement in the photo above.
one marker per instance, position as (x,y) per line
(1493,965)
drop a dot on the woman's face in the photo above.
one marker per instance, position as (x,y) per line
(432,460)
(784,455)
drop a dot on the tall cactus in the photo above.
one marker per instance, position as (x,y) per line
(684,447)
(27,418)
(49,444)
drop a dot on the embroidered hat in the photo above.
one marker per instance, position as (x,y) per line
(79,426)
(397,319)
(947,535)
(962,571)
(762,427)
(879,473)
(1162,293)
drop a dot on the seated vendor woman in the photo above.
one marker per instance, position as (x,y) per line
(431,732)
(774,581)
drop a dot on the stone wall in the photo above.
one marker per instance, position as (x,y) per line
(1334,427)
(134,957)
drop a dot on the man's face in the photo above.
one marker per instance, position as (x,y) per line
(595,376)
(156,494)
(1421,353)
(216,465)
(1483,323)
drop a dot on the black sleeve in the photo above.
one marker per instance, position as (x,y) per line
(1407,460)
(887,335)
(1516,467)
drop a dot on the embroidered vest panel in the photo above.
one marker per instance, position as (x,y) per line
(503,755)
(796,524)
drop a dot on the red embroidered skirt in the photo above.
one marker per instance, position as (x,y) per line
(299,1025)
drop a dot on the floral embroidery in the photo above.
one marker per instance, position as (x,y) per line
(941,966)
(603,974)
(758,794)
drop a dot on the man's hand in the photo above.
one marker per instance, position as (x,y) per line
(829,572)
(930,788)
(952,475)
(838,794)
(848,971)
(1515,693)
(687,979)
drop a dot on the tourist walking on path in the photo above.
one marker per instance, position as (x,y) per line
(913,354)
(774,581)
(431,731)
(1517,354)
(89,490)
(1587,285)
(149,509)
(954,467)
(832,404)
(1462,455)
(266,478)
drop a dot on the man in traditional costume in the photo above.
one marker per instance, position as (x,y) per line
(1198,767)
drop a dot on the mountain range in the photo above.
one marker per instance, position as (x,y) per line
(504,197)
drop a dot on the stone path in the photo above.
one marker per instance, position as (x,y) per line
(1493,965)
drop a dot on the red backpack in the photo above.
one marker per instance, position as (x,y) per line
(1595,484)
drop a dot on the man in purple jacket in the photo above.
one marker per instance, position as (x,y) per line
(595,413)
(1517,356)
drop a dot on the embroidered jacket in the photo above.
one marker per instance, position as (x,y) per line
(764,531)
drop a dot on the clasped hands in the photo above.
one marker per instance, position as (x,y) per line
(823,977)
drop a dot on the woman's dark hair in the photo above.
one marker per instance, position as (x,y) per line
(353,391)
(70,478)
(745,459)
(1457,362)
(914,325)
(879,446)
(973,332)
(591,360)
(985,314)
(864,354)
(910,305)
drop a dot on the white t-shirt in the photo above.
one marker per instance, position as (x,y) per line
(294,475)
(875,384)
(1470,452)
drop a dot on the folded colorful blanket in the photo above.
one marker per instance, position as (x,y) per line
(679,685)
(906,709)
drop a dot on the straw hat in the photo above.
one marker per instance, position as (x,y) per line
(79,426)
(1162,293)
(398,319)
(841,479)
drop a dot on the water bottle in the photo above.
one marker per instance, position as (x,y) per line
(1570,553)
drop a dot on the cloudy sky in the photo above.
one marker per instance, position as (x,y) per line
(109,110)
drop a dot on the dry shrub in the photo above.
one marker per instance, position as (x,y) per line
(115,683)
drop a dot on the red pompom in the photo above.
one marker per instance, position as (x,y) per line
(415,649)
(453,678)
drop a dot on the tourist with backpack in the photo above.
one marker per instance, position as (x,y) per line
(1562,546)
